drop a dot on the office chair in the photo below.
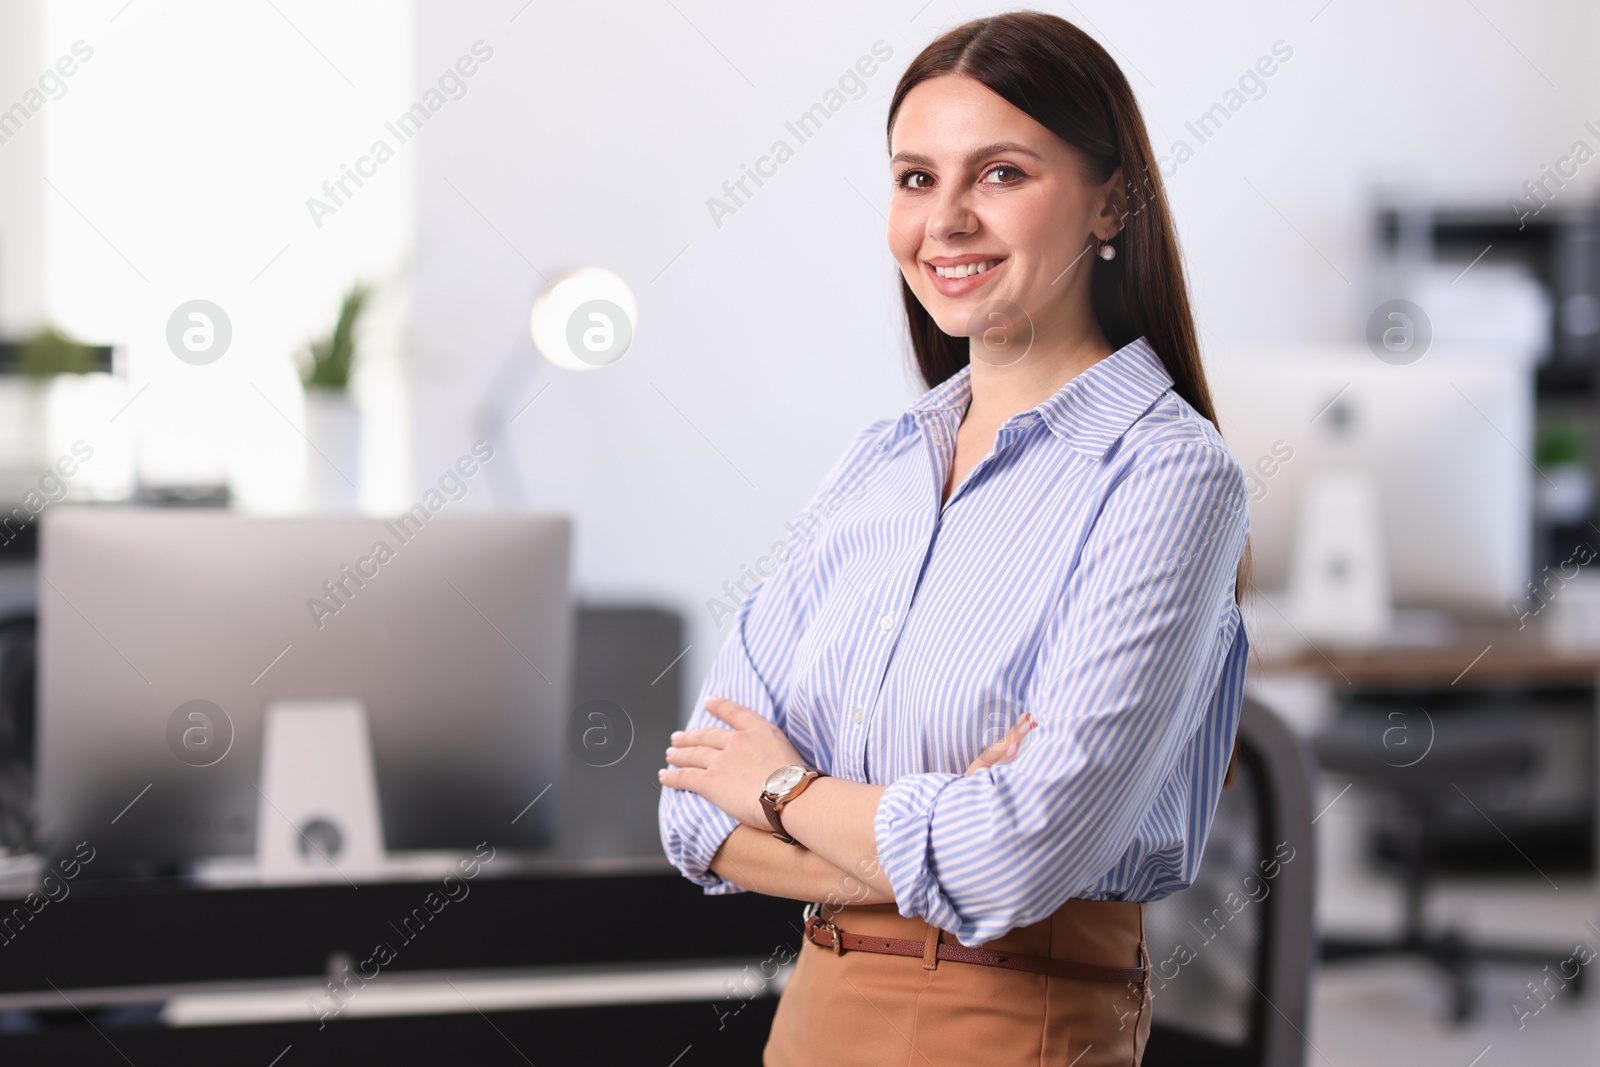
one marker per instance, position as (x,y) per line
(1231,956)
(627,696)
(17,639)
(1469,754)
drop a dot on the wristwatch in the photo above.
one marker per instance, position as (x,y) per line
(782,786)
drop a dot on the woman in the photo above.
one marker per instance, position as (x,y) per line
(1048,543)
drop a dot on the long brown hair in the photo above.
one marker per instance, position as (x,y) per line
(1059,76)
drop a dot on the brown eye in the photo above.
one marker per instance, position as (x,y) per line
(913,179)
(1014,175)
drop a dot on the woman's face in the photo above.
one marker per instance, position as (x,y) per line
(995,202)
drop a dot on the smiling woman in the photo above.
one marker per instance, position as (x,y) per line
(983,712)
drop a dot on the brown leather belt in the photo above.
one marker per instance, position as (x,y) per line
(821,932)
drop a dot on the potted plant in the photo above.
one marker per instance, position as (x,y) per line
(1561,453)
(50,352)
(38,362)
(333,423)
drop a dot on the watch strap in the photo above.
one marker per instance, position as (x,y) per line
(774,806)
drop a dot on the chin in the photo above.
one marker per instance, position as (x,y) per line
(949,315)
(955,323)
(954,317)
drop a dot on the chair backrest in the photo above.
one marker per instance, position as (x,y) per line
(627,696)
(1231,956)
(17,640)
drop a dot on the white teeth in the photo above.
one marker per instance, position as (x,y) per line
(966,270)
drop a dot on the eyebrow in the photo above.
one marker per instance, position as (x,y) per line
(999,148)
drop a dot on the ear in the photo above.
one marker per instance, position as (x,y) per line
(1111,206)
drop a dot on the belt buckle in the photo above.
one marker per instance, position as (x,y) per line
(833,932)
(813,911)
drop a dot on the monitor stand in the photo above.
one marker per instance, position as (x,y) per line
(317,816)
(1338,573)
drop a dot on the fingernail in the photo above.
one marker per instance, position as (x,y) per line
(1011,750)
(676,734)
(662,773)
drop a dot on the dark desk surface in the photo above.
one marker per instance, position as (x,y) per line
(155,935)
(96,940)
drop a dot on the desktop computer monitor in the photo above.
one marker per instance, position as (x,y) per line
(453,633)
(1447,440)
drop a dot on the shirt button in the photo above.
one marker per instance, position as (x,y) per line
(857,713)
(886,623)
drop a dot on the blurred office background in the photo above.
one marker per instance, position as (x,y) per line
(1416,160)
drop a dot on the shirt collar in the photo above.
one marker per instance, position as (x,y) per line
(1090,413)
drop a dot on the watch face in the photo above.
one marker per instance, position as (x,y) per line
(785,778)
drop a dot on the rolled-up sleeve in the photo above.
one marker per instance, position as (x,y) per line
(753,666)
(1130,663)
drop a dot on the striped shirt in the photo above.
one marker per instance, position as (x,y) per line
(1084,571)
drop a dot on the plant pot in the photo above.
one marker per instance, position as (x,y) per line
(22,434)
(1563,494)
(333,458)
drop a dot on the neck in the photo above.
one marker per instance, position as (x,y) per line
(999,392)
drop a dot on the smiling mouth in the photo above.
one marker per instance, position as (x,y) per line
(967,270)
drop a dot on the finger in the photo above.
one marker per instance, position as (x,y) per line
(1003,750)
(984,760)
(714,737)
(987,758)
(998,749)
(687,778)
(690,757)
(1019,729)
(736,715)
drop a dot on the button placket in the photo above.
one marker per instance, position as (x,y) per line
(1013,428)
(938,432)
(890,626)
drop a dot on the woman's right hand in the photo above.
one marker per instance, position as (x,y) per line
(1005,749)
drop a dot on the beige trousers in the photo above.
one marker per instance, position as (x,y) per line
(866,1009)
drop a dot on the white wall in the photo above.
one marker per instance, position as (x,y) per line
(177,166)
(21,236)
(597,132)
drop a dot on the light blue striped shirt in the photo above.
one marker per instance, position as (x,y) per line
(1083,571)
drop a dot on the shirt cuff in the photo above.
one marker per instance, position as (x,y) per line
(902,828)
(695,840)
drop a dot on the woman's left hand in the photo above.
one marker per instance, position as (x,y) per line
(729,767)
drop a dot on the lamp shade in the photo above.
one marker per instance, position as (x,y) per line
(585,319)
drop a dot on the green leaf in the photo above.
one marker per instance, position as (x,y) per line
(333,356)
(1559,444)
(50,352)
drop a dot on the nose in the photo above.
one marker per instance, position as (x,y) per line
(951,215)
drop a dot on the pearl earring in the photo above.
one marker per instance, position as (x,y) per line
(1107,252)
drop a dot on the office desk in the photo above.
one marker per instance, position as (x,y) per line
(1475,655)
(1475,658)
(109,956)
